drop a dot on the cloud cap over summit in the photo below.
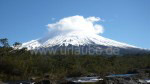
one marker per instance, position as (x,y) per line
(78,24)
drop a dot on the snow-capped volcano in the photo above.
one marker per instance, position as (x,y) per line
(74,39)
(77,32)
(83,42)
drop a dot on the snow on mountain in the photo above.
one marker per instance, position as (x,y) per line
(75,39)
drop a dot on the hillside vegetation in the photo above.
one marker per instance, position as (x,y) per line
(22,65)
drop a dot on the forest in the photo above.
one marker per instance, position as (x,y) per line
(20,64)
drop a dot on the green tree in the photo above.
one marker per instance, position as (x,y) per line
(4,42)
(17,45)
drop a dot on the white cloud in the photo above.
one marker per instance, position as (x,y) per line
(78,24)
(93,19)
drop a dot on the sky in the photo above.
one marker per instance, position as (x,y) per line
(122,20)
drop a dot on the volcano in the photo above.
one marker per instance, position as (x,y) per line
(80,35)
(82,42)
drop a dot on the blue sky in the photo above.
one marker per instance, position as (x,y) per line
(124,20)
